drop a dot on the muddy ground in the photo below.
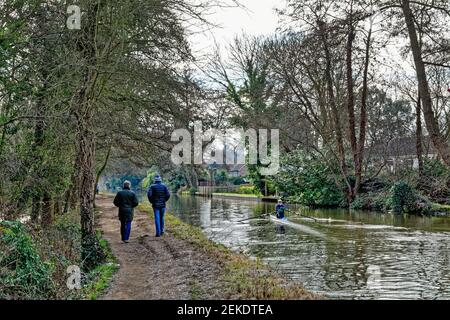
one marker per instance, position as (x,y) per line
(155,268)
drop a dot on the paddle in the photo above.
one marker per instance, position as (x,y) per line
(261,216)
(308,217)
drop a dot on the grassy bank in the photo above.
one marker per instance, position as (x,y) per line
(34,261)
(444,209)
(236,195)
(226,194)
(242,277)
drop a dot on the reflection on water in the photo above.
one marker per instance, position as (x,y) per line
(402,257)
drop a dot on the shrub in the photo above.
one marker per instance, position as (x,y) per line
(374,201)
(248,190)
(435,181)
(33,263)
(23,273)
(308,181)
(193,190)
(404,199)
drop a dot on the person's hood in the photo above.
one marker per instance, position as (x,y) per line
(157,179)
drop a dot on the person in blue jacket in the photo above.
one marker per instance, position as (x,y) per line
(158,195)
(280,209)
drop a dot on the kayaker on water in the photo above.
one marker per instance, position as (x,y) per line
(280,209)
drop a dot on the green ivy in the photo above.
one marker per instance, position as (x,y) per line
(22,269)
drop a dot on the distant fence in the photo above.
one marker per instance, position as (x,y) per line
(209,190)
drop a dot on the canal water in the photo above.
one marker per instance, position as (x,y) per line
(337,253)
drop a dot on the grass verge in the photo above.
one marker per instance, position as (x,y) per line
(237,195)
(100,278)
(242,277)
(443,208)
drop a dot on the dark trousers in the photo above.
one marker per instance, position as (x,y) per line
(125,229)
(159,220)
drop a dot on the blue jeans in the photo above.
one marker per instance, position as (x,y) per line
(125,229)
(159,220)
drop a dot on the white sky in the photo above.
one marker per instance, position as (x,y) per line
(259,18)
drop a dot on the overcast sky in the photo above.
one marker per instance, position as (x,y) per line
(259,18)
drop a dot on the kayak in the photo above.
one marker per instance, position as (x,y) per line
(300,227)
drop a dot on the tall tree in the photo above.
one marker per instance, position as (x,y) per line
(432,123)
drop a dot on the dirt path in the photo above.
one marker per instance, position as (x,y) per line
(155,268)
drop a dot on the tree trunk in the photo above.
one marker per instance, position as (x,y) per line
(334,109)
(67,196)
(35,209)
(363,118)
(419,149)
(47,212)
(39,129)
(84,112)
(73,193)
(100,171)
(57,210)
(194,177)
(432,124)
(87,149)
(187,176)
(350,92)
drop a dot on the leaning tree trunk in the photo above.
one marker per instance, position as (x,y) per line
(432,124)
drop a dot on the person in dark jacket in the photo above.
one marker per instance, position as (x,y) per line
(126,200)
(158,194)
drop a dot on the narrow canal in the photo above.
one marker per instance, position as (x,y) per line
(348,255)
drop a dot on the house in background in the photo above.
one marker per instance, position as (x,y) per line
(237,170)
(401,153)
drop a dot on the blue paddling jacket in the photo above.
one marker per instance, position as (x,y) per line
(280,208)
